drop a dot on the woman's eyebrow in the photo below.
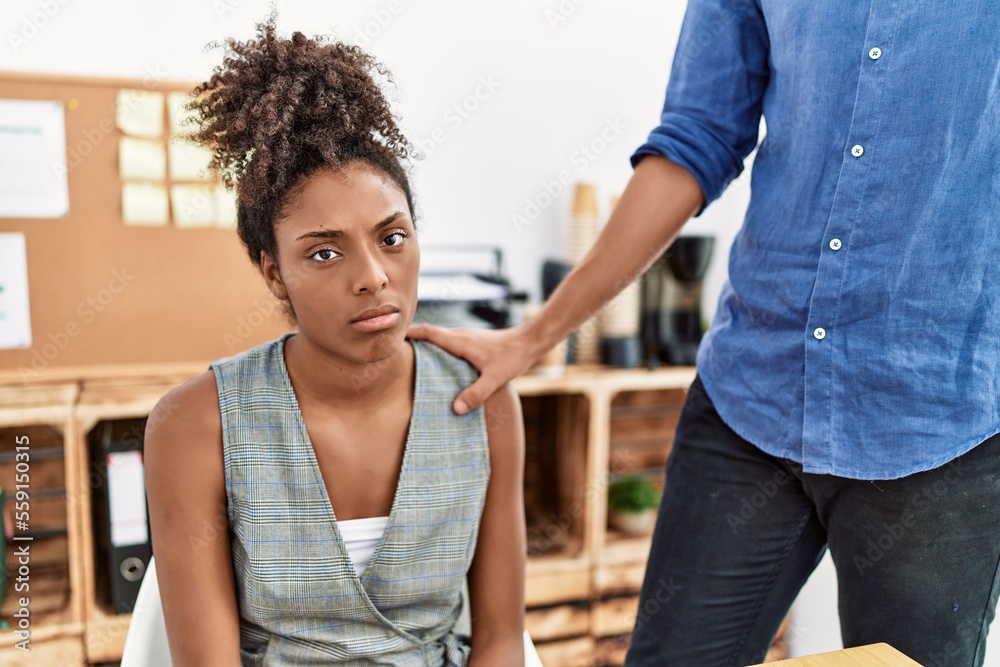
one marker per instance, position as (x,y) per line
(336,233)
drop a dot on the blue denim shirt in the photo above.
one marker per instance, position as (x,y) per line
(859,330)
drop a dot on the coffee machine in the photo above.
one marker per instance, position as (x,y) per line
(671,302)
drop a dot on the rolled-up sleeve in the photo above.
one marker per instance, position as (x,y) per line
(711,114)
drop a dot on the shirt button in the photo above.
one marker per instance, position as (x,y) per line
(858,150)
(875,53)
(819,333)
(835,244)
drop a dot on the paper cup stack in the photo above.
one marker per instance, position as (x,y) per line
(582,235)
(620,323)
(621,315)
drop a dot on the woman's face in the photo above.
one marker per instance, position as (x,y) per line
(347,246)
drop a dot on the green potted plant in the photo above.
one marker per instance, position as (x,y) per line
(632,503)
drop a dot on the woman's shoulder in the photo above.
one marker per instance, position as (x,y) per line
(503,406)
(182,447)
(194,404)
(445,362)
(197,399)
(190,408)
(253,355)
(189,416)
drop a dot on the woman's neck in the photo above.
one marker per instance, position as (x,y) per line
(323,377)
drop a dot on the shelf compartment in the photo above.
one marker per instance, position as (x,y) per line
(65,652)
(555,474)
(578,652)
(50,590)
(616,579)
(104,639)
(551,580)
(128,398)
(614,615)
(563,621)
(641,429)
(610,651)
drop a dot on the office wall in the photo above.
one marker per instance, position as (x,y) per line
(501,96)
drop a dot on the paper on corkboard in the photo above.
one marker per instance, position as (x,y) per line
(15,317)
(144,204)
(188,161)
(193,205)
(33,172)
(142,159)
(139,113)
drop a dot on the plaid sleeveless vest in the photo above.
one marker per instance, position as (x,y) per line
(300,600)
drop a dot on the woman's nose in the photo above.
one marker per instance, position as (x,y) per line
(371,275)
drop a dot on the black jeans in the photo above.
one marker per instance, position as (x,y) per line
(740,531)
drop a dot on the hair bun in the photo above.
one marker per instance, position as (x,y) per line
(277,107)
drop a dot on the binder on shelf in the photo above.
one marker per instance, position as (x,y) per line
(120,515)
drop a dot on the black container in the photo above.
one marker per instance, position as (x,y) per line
(119,567)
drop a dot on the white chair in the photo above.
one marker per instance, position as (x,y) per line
(146,640)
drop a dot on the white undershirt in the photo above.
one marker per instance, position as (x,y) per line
(361,537)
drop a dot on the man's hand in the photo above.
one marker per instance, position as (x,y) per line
(499,355)
(659,199)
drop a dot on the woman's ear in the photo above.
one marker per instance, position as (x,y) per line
(272,276)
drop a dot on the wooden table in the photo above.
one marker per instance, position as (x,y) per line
(873,655)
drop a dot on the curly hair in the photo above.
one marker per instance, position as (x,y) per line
(276,110)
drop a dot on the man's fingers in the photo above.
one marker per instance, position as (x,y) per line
(451,340)
(484,350)
(440,336)
(421,331)
(474,395)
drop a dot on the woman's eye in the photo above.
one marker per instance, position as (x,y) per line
(323,255)
(401,238)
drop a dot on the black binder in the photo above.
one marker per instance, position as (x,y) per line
(122,546)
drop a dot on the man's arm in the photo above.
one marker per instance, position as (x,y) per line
(709,124)
(496,577)
(660,197)
(185,484)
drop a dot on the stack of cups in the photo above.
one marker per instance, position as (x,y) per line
(582,235)
(553,362)
(620,321)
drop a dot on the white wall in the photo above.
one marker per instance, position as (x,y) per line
(561,69)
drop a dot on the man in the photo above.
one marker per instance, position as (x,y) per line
(848,389)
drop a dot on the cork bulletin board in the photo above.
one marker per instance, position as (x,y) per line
(103,292)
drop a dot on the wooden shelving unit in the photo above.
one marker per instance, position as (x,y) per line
(588,622)
(581,428)
(102,399)
(44,414)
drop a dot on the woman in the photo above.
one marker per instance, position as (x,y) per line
(314,500)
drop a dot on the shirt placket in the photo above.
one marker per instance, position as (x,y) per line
(822,339)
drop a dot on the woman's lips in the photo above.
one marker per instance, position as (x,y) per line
(377,323)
